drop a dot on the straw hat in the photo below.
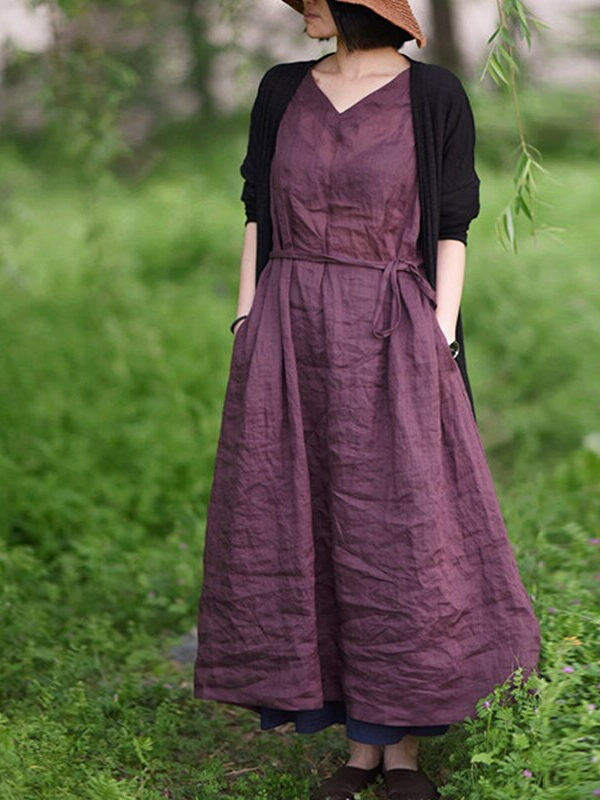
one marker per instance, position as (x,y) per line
(397,11)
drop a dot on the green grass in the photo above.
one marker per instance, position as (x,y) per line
(116,300)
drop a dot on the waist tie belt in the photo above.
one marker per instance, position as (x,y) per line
(388,277)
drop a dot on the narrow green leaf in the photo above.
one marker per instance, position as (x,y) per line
(482,758)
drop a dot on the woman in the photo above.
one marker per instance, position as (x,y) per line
(356,566)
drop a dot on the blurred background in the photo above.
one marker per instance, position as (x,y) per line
(122,128)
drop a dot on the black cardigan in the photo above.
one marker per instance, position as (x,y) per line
(445,149)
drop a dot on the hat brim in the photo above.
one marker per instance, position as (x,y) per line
(396,11)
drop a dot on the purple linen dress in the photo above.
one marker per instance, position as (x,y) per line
(356,556)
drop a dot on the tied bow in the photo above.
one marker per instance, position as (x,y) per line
(389,278)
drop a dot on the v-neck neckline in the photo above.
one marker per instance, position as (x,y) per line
(361,100)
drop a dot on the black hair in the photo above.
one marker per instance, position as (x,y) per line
(361,28)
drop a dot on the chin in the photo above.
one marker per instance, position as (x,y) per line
(317,32)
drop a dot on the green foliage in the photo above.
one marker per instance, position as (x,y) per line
(508,748)
(540,739)
(83,95)
(560,121)
(83,85)
(503,66)
(531,327)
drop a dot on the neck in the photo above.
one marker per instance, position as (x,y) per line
(360,63)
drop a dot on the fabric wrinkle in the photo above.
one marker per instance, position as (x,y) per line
(356,565)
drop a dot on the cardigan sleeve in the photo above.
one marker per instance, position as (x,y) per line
(460,182)
(250,167)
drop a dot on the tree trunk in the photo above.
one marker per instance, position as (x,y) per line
(202,54)
(446,47)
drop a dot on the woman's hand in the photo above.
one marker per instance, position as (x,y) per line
(449,334)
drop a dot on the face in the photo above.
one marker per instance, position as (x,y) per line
(318,19)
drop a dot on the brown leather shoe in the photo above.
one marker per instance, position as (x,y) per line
(345,781)
(409,784)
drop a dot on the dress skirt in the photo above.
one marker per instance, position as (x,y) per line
(357,568)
